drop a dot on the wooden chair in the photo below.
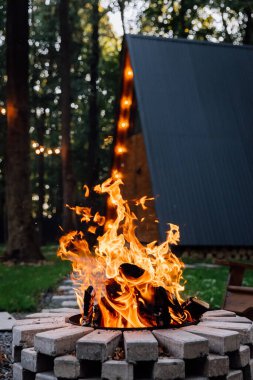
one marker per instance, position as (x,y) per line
(238,298)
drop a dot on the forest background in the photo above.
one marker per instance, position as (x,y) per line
(60,65)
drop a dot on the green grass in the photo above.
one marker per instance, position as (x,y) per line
(209,284)
(22,286)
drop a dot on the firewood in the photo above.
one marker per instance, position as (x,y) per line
(89,296)
(195,307)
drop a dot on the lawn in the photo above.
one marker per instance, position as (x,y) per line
(22,286)
(209,284)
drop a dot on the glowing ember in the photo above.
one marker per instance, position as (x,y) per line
(129,284)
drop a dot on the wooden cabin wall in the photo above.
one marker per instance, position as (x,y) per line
(137,183)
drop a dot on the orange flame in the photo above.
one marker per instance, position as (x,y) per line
(124,273)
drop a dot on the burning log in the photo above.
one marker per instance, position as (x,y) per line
(88,300)
(96,316)
(161,311)
(131,270)
(195,307)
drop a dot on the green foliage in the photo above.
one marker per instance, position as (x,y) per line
(22,286)
(199,19)
(209,284)
(229,21)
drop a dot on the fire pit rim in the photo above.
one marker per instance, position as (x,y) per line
(74,320)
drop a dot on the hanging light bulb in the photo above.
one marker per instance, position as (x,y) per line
(123,124)
(120,149)
(128,73)
(126,102)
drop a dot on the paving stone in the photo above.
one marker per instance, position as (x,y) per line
(117,370)
(169,368)
(216,365)
(140,346)
(69,304)
(239,358)
(63,297)
(245,329)
(6,321)
(59,341)
(236,319)
(47,315)
(98,345)
(37,321)
(65,288)
(45,376)
(219,313)
(182,344)
(23,335)
(19,373)
(67,366)
(36,362)
(235,375)
(220,341)
(61,310)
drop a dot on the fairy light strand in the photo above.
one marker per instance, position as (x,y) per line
(123,124)
(43,150)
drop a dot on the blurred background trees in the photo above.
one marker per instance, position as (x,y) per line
(74,79)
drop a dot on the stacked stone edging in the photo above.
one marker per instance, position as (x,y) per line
(49,348)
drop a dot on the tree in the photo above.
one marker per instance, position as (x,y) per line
(93,150)
(68,179)
(21,245)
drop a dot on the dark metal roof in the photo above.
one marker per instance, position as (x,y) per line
(195,101)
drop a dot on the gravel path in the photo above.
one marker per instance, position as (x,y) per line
(5,355)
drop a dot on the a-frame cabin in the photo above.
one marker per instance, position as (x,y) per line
(185,136)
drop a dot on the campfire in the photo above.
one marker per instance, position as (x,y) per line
(121,283)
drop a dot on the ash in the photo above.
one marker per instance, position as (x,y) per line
(5,355)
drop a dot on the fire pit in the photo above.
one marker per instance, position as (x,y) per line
(47,347)
(133,322)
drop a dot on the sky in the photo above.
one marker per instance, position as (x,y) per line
(131,14)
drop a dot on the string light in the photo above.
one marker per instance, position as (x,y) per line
(123,125)
(40,149)
(116,174)
(3,110)
(126,102)
(129,73)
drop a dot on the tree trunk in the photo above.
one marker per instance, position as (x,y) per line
(68,180)
(248,36)
(93,150)
(21,245)
(41,174)
(122,6)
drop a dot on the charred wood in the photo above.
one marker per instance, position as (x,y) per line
(89,296)
(195,307)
